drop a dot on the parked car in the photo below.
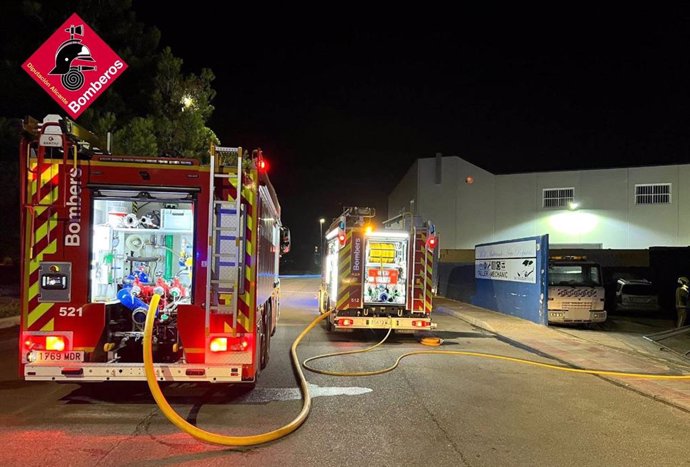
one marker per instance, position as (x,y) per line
(636,294)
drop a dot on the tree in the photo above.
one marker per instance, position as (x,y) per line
(179,108)
(136,137)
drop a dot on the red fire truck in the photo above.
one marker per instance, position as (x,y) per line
(378,279)
(101,234)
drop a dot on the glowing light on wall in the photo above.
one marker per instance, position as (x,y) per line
(573,222)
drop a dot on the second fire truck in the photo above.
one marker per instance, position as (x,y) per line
(378,279)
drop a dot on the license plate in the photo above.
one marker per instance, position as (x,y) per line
(41,356)
(640,300)
(384,322)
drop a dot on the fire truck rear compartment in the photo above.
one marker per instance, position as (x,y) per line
(141,244)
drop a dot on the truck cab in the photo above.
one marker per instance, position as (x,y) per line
(576,291)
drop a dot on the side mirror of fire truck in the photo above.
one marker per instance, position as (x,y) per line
(284,240)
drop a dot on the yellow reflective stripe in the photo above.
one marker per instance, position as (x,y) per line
(345,297)
(50,326)
(38,312)
(51,248)
(33,290)
(42,231)
(244,321)
(48,174)
(51,197)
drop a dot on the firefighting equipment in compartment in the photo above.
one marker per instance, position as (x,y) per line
(131,221)
(148,221)
(129,297)
(134,242)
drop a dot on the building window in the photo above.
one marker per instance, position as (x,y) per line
(558,197)
(657,193)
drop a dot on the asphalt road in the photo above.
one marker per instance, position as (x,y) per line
(437,410)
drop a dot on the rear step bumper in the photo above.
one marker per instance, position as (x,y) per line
(343,323)
(132,372)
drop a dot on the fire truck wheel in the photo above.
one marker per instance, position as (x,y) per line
(264,341)
(329,323)
(270,325)
(269,331)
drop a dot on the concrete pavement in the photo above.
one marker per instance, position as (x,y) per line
(581,353)
(9,322)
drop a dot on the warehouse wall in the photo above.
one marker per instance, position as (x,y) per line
(495,207)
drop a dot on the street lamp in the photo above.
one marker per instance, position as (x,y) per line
(320,247)
(321,221)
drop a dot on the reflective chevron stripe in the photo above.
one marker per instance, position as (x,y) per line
(43,221)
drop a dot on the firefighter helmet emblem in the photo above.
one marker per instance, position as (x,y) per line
(70,51)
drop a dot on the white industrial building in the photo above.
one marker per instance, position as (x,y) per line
(623,208)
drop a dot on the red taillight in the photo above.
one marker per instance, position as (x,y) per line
(231,344)
(218,344)
(56,343)
(262,165)
(28,343)
(420,323)
(345,322)
(342,237)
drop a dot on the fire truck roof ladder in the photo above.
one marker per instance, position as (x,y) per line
(225,274)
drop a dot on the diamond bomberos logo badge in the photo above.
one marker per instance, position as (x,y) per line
(74,66)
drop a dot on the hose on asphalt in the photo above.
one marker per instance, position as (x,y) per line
(435,341)
(215,438)
(261,438)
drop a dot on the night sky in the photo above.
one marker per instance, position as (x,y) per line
(343,99)
(345,104)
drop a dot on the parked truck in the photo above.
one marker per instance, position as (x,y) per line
(576,291)
(377,278)
(101,234)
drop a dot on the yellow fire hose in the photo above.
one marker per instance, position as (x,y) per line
(252,440)
(215,438)
(435,342)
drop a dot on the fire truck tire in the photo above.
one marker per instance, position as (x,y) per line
(329,323)
(263,358)
(269,331)
(270,322)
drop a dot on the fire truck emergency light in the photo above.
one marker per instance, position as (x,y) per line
(431,242)
(262,165)
(342,237)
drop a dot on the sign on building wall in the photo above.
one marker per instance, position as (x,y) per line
(510,261)
(510,277)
